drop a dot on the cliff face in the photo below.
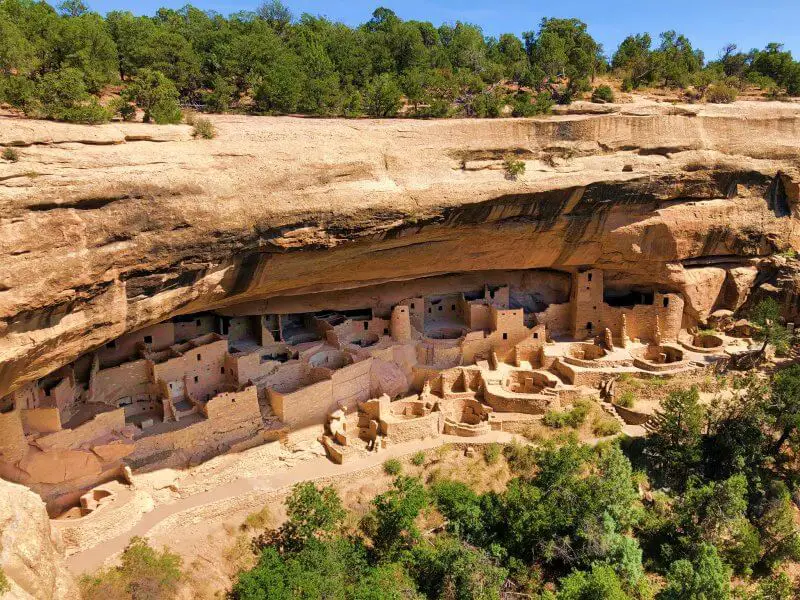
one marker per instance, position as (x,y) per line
(106,229)
(30,553)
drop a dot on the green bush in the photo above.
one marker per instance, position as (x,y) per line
(721,93)
(123,108)
(523,107)
(606,425)
(156,95)
(143,574)
(382,97)
(203,128)
(10,154)
(418,458)
(492,452)
(4,585)
(392,467)
(575,417)
(603,94)
(626,399)
(89,113)
(513,168)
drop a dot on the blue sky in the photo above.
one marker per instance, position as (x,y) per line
(710,24)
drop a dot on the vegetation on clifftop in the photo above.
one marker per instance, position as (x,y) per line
(64,64)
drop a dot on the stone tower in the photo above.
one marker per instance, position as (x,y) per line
(401,323)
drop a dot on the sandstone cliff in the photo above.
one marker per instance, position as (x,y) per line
(107,229)
(30,552)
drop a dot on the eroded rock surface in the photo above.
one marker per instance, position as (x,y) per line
(107,229)
(30,552)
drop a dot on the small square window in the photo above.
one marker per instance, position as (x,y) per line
(430,310)
(366,325)
(666,302)
(590,277)
(505,336)
(452,307)
(412,305)
(222,370)
(385,331)
(199,357)
(440,308)
(148,339)
(536,335)
(196,379)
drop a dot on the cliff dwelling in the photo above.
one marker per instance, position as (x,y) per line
(356,371)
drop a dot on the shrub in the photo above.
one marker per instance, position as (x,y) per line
(602,94)
(491,453)
(392,467)
(575,417)
(627,399)
(156,95)
(606,425)
(4,585)
(513,168)
(204,128)
(417,459)
(166,111)
(721,93)
(123,108)
(144,574)
(89,113)
(383,96)
(258,520)
(10,154)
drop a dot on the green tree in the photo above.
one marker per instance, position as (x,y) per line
(564,48)
(766,315)
(634,60)
(382,96)
(675,446)
(276,13)
(677,60)
(312,513)
(704,578)
(73,8)
(279,86)
(601,583)
(143,574)
(448,568)
(784,408)
(391,522)
(156,95)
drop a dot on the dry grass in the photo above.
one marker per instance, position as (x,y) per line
(260,520)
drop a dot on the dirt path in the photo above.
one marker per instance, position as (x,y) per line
(319,468)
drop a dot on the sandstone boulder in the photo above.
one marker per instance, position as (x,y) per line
(702,288)
(57,466)
(30,551)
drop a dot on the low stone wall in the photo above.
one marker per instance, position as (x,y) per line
(399,430)
(233,418)
(632,417)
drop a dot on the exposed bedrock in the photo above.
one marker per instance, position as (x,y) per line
(107,229)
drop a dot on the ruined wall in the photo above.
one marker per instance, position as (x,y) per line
(188,329)
(12,437)
(233,417)
(128,383)
(309,406)
(557,318)
(123,349)
(41,420)
(351,384)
